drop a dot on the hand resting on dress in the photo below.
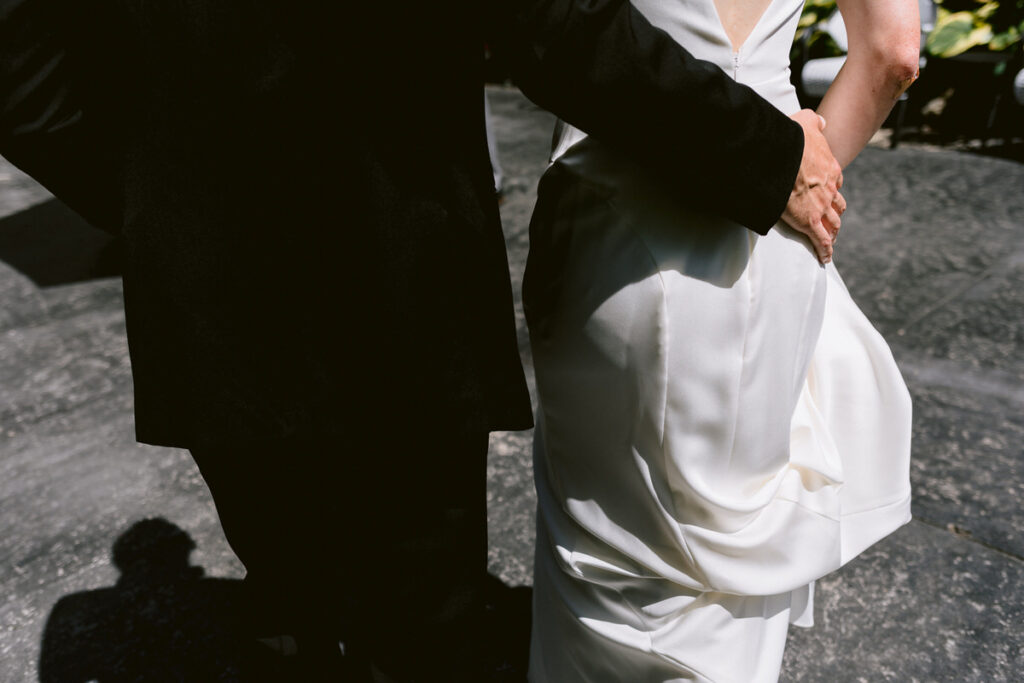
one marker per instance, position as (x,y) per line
(884,38)
(815,204)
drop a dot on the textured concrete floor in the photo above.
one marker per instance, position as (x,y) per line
(931,249)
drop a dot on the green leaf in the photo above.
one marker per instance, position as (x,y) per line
(986,10)
(1004,40)
(956,33)
(951,35)
(808,19)
(980,35)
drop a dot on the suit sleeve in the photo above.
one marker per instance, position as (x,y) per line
(601,66)
(47,127)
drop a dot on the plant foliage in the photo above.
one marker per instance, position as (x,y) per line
(809,35)
(962,25)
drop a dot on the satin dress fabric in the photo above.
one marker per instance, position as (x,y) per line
(719,425)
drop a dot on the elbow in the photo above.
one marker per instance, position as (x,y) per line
(895,60)
(901,71)
(905,47)
(903,60)
(885,41)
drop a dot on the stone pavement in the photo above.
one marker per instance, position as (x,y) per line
(931,249)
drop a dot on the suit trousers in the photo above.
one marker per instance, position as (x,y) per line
(380,543)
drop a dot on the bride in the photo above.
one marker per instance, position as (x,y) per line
(719,425)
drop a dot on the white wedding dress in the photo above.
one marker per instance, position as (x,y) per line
(719,425)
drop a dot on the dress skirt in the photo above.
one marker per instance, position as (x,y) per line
(719,426)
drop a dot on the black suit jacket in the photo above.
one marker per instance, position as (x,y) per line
(311,239)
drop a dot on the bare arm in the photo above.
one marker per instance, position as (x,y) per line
(882,62)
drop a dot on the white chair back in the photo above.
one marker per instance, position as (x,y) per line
(927,9)
(835,27)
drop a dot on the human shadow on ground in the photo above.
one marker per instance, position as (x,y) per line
(162,621)
(165,621)
(52,245)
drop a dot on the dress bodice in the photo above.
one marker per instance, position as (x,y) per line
(761,62)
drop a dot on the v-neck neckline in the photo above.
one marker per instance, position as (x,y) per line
(721,24)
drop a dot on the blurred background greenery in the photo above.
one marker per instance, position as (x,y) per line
(960,25)
(971,89)
(964,25)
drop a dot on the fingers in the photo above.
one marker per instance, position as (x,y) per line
(839,204)
(822,241)
(820,235)
(808,118)
(831,222)
(815,205)
(832,217)
(837,174)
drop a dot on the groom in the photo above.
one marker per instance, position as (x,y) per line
(316,287)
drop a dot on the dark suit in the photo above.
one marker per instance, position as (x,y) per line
(313,255)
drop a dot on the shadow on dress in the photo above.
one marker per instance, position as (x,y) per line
(600,214)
